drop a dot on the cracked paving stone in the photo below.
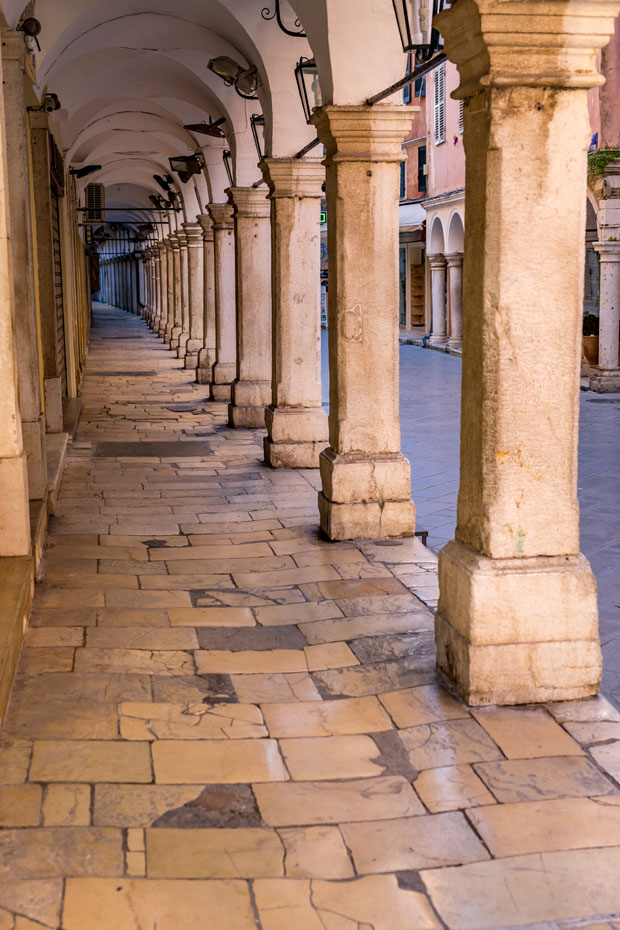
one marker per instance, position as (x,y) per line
(228,806)
(259,638)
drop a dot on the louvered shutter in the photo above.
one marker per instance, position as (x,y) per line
(95,203)
(461,111)
(440,104)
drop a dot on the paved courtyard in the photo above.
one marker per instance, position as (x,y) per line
(222,721)
(430,389)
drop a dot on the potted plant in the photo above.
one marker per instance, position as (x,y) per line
(590,338)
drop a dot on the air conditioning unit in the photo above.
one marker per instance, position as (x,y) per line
(95,203)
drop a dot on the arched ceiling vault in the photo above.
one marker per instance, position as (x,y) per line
(131,74)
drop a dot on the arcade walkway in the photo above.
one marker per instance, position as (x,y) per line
(222,721)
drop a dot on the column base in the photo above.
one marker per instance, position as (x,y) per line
(182,347)
(455,342)
(220,392)
(517,631)
(175,333)
(221,381)
(366,496)
(204,375)
(33,433)
(53,405)
(438,340)
(297,436)
(605,381)
(191,360)
(248,402)
(15,534)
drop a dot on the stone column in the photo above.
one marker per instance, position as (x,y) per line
(517,614)
(170,289)
(163,287)
(24,290)
(177,272)
(40,150)
(195,256)
(295,420)
(184,334)
(155,314)
(251,390)
(225,366)
(366,481)
(455,290)
(206,355)
(439,329)
(607,379)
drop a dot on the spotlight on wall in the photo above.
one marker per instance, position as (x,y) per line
(245,80)
(85,171)
(258,120)
(227,158)
(165,186)
(209,129)
(31,28)
(187,165)
(50,103)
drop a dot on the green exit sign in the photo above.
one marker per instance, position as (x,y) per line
(323,216)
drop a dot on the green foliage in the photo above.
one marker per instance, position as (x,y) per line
(598,161)
(590,324)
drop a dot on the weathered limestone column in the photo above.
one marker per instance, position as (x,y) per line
(177,270)
(607,379)
(295,420)
(251,390)
(14,507)
(517,615)
(24,290)
(170,289)
(40,151)
(366,479)
(184,334)
(225,366)
(195,257)
(455,290)
(163,287)
(155,313)
(206,355)
(439,330)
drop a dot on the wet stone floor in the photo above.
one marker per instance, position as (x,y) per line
(222,721)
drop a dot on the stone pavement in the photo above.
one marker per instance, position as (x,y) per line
(430,397)
(222,721)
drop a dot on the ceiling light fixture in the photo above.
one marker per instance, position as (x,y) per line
(209,129)
(85,171)
(245,80)
(163,183)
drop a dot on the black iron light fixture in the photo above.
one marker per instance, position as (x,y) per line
(307,77)
(257,122)
(267,14)
(157,200)
(31,28)
(415,25)
(227,159)
(187,165)
(245,80)
(85,171)
(209,129)
(163,183)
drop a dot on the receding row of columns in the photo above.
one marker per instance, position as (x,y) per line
(517,615)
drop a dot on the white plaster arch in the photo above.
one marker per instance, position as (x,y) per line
(437,238)
(456,232)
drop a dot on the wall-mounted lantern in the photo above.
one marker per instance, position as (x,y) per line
(415,24)
(227,159)
(307,77)
(257,121)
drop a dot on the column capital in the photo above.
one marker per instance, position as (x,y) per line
(206,224)
(293,177)
(181,235)
(221,214)
(363,133)
(437,261)
(608,251)
(161,246)
(527,43)
(193,234)
(250,201)
(173,239)
(453,259)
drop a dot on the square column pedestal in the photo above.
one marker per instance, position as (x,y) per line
(366,481)
(225,367)
(251,389)
(517,615)
(296,422)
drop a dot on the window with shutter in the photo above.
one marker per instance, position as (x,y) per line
(407,87)
(461,111)
(439,101)
(403,180)
(422,185)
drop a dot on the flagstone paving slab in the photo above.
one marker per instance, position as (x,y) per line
(221,717)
